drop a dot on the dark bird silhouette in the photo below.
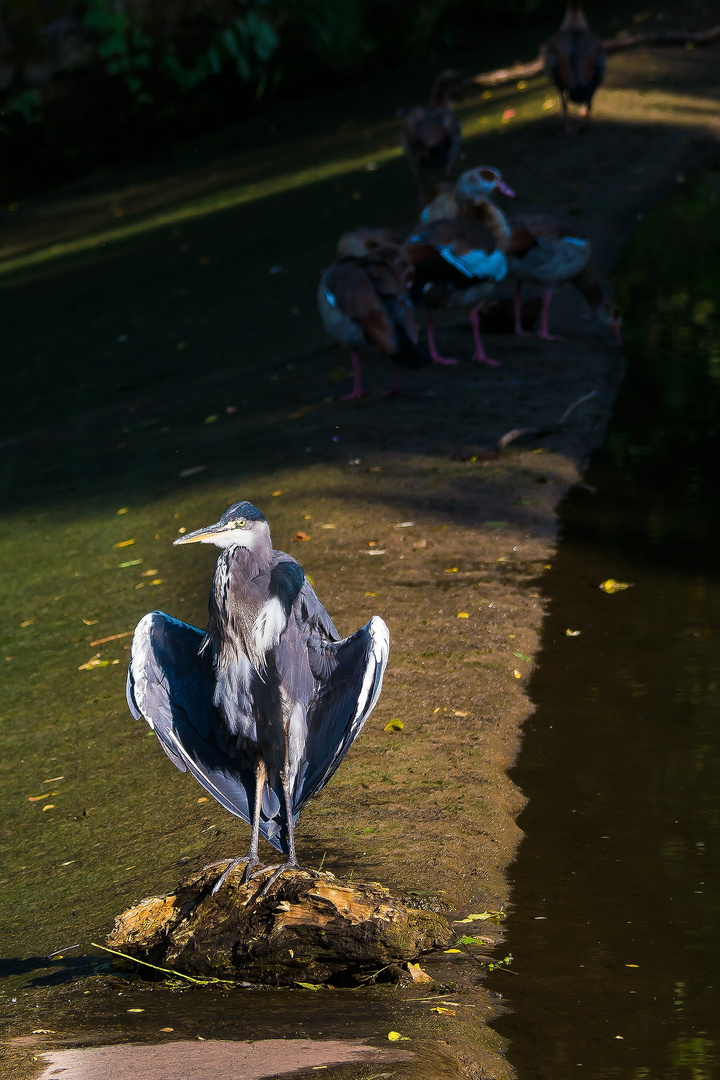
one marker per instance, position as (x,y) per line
(543,251)
(575,61)
(430,134)
(459,260)
(364,300)
(264,704)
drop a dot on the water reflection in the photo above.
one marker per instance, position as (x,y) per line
(617,888)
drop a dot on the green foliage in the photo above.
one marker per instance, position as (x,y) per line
(26,104)
(123,46)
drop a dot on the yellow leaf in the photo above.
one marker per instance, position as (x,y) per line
(395,1036)
(167,1029)
(48,806)
(90,622)
(548,104)
(124,543)
(279,490)
(459,712)
(522,85)
(452,570)
(28,622)
(123,510)
(441,1009)
(37,798)
(517,674)
(481,916)
(613,586)
(369,593)
(136,1010)
(394,725)
(632,965)
(436,709)
(452,950)
(94,662)
(149,573)
(203,798)
(573,633)
(418,975)
(463,614)
(309,580)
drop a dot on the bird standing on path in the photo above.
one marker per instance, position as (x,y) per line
(263,706)
(364,300)
(575,61)
(430,134)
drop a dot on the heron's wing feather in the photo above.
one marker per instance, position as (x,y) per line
(343,702)
(171,684)
(311,614)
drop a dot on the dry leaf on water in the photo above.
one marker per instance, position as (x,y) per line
(613,586)
(124,543)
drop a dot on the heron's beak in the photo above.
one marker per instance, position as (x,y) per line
(505,190)
(200,536)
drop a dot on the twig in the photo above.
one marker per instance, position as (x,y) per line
(165,971)
(517,433)
(59,952)
(631,41)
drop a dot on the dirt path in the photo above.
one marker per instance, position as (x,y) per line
(122,383)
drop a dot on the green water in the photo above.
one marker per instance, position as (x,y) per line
(617,888)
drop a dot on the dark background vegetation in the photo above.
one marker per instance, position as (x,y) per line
(87,82)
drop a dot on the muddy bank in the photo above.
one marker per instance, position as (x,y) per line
(450,553)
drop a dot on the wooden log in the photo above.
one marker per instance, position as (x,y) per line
(309,928)
(502,76)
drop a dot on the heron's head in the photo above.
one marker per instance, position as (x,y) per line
(482,182)
(242,525)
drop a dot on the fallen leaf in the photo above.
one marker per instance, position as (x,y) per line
(436,709)
(375,551)
(459,712)
(279,490)
(420,544)
(452,950)
(394,725)
(123,510)
(90,622)
(452,570)
(94,662)
(522,656)
(149,573)
(37,798)
(167,1029)
(463,614)
(130,562)
(372,543)
(157,581)
(517,674)
(311,986)
(522,85)
(442,1009)
(43,1031)
(418,975)
(203,798)
(468,939)
(192,471)
(136,1010)
(300,535)
(632,965)
(549,103)
(113,637)
(48,806)
(310,580)
(481,916)
(124,543)
(369,593)
(28,622)
(404,525)
(573,633)
(329,525)
(395,1036)
(613,586)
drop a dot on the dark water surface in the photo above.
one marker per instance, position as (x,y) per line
(616,892)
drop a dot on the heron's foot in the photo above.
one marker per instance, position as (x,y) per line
(278,871)
(251,864)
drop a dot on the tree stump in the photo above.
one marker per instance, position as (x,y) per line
(309,928)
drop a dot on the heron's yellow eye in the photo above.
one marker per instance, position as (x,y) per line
(241,523)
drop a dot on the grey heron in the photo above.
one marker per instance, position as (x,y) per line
(264,704)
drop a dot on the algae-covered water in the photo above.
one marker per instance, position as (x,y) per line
(616,892)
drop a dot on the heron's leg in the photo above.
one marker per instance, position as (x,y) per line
(518,312)
(432,347)
(251,860)
(357,390)
(480,356)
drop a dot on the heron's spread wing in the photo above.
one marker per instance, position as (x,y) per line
(171,683)
(344,700)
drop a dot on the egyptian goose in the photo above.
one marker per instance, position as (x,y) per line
(543,251)
(575,61)
(430,134)
(364,301)
(459,259)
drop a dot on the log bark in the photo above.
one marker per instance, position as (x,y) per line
(309,928)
